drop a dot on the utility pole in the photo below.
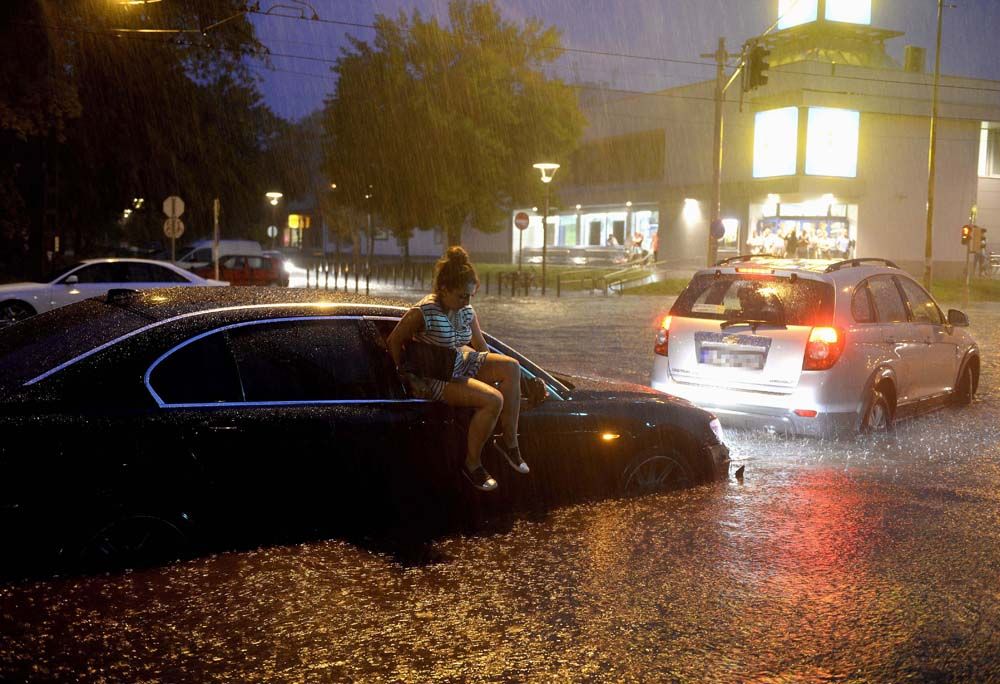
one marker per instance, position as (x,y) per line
(929,236)
(721,85)
(720,93)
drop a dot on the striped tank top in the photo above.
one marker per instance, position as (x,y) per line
(442,329)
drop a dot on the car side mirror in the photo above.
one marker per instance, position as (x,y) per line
(71,280)
(957,318)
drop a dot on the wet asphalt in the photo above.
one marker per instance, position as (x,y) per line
(856,561)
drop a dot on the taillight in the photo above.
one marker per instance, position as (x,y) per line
(823,348)
(662,338)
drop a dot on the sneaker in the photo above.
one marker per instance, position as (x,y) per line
(479,478)
(513,456)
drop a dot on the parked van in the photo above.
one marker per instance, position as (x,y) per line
(199,253)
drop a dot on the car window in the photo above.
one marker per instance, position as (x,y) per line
(99,273)
(200,372)
(383,328)
(152,273)
(861,306)
(258,263)
(310,360)
(752,297)
(922,307)
(204,254)
(889,305)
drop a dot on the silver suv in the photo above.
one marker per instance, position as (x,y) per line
(814,347)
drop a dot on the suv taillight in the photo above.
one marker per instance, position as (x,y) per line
(823,348)
(662,338)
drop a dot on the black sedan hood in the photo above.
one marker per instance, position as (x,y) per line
(585,388)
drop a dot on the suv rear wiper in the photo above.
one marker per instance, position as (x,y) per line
(754,323)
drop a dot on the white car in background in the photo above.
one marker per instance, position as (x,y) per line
(92,278)
(813,347)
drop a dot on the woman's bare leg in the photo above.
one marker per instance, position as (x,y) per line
(506,372)
(488,402)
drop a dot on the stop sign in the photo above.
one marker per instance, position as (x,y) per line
(521,220)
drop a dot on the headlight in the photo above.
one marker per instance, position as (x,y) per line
(716,427)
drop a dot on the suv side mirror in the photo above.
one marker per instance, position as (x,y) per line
(957,318)
(71,280)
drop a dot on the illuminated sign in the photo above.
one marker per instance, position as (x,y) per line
(300,221)
(775,142)
(832,142)
(795,12)
(849,11)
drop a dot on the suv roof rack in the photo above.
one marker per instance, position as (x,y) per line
(742,257)
(853,263)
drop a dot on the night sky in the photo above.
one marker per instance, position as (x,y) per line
(303,51)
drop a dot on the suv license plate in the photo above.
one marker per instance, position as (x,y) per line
(714,356)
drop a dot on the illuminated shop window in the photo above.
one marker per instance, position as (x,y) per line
(795,12)
(989,151)
(850,11)
(832,142)
(775,139)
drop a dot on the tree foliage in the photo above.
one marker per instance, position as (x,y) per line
(97,114)
(443,123)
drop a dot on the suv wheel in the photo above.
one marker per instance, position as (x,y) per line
(878,414)
(966,387)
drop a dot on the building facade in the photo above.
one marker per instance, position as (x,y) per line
(828,158)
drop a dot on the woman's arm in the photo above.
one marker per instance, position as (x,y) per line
(478,341)
(409,325)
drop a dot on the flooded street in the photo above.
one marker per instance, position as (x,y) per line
(874,560)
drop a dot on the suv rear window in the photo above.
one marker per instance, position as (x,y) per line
(724,297)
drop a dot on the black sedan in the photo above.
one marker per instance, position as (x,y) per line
(140,422)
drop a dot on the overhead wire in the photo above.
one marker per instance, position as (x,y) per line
(266,51)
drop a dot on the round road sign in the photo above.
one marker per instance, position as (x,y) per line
(272,231)
(521,220)
(173,228)
(173,206)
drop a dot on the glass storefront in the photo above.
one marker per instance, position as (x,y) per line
(632,230)
(808,230)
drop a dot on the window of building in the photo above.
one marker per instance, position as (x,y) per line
(795,12)
(989,151)
(832,142)
(775,142)
(849,11)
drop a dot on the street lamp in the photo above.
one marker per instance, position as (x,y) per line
(548,170)
(272,230)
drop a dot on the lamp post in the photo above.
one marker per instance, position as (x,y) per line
(548,170)
(272,230)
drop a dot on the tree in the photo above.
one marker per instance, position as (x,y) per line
(446,121)
(96,116)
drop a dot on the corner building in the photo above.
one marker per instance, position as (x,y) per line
(833,148)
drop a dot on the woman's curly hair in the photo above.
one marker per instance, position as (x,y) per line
(454,271)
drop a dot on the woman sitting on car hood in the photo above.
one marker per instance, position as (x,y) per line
(479,378)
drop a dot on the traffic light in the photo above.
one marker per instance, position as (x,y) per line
(966,234)
(982,238)
(756,67)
